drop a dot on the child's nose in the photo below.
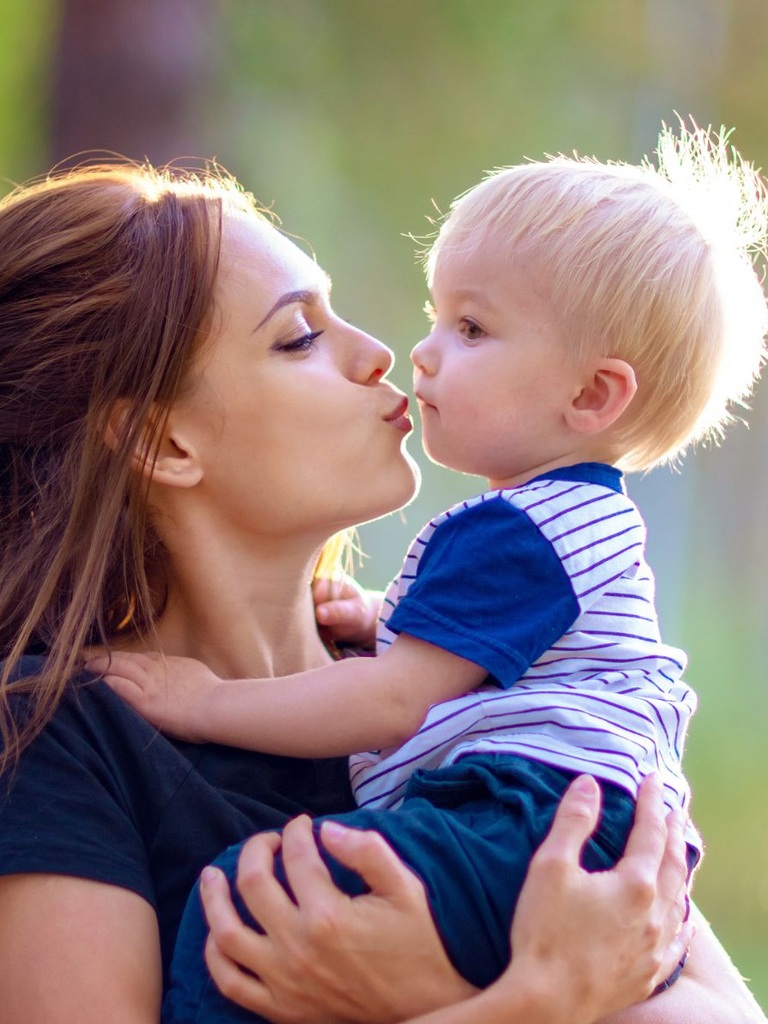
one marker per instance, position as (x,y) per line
(420,355)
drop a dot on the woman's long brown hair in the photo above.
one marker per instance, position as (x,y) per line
(106,282)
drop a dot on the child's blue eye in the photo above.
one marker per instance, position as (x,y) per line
(303,344)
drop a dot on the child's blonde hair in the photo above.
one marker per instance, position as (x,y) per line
(653,265)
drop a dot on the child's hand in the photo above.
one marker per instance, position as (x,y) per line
(346,611)
(171,693)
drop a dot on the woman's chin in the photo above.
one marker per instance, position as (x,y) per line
(411,482)
(401,491)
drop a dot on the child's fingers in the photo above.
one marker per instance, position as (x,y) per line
(124,688)
(322,590)
(98,664)
(332,589)
(346,612)
(137,666)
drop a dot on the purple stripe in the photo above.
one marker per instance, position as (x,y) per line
(615,661)
(552,497)
(599,585)
(594,522)
(573,508)
(479,730)
(628,636)
(578,649)
(587,696)
(603,561)
(627,596)
(602,541)
(531,722)
(619,615)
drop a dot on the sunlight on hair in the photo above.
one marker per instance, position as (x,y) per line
(659,263)
(722,193)
(725,197)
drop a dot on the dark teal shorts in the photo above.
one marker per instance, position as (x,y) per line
(469,831)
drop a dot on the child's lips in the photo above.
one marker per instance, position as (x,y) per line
(424,403)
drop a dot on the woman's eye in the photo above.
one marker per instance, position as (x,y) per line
(303,344)
(470,329)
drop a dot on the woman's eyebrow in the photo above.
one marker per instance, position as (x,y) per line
(303,296)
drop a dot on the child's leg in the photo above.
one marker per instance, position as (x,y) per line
(192,997)
(469,832)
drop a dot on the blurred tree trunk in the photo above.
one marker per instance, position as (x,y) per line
(131,76)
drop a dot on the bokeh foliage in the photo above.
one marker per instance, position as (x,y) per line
(358,120)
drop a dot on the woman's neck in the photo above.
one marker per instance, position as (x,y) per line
(244,610)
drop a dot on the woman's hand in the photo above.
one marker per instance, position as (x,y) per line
(328,957)
(585,944)
(604,940)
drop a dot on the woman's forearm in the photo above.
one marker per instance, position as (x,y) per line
(709,991)
(522,1002)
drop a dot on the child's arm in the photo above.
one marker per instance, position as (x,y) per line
(346,611)
(357,704)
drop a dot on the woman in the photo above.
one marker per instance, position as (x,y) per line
(174,390)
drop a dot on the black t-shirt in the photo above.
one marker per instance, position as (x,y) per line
(100,794)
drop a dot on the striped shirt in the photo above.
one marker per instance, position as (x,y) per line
(546,587)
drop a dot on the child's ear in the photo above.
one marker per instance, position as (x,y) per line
(604,396)
(175,461)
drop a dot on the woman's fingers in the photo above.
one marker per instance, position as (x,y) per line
(673,870)
(230,936)
(608,937)
(244,963)
(263,894)
(574,822)
(304,868)
(648,839)
(234,983)
(371,856)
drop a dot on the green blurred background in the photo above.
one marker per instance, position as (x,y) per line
(355,119)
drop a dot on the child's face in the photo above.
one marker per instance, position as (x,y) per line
(494,376)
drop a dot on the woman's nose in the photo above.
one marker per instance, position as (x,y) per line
(374,360)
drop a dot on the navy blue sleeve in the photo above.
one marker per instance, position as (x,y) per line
(489,588)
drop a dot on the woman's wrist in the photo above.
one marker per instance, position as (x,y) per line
(519,996)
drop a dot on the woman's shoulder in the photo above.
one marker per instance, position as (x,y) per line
(100,794)
(97,758)
(90,730)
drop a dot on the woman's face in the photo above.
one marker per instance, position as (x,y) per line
(288,412)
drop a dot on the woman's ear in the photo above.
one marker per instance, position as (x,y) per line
(604,396)
(174,462)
